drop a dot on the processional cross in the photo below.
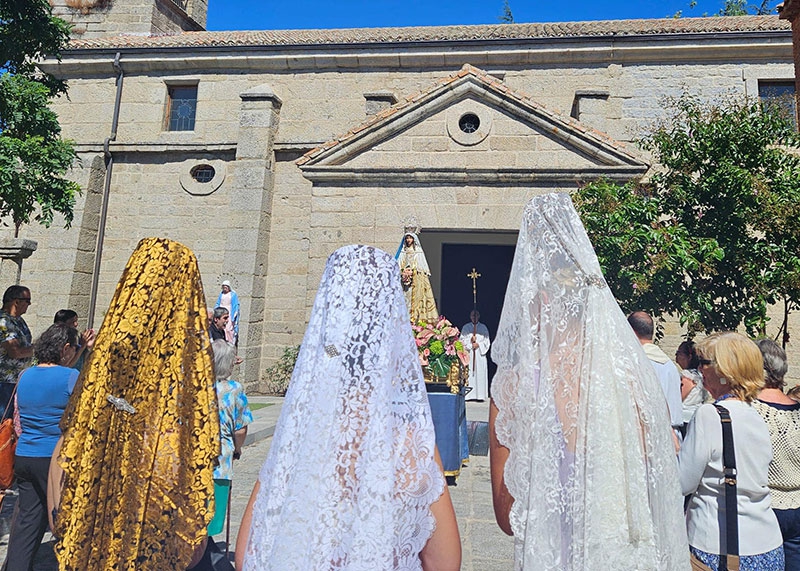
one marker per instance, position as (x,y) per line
(474,275)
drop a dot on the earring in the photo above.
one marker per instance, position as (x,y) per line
(723,381)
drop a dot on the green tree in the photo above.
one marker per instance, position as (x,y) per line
(742,8)
(645,255)
(28,33)
(33,157)
(713,236)
(734,8)
(507,17)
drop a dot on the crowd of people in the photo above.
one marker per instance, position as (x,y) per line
(603,453)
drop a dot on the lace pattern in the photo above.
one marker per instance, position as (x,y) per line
(141,431)
(351,473)
(592,467)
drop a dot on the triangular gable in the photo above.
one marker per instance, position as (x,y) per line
(600,154)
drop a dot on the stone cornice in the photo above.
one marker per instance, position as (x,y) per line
(157,147)
(447,176)
(162,147)
(773,45)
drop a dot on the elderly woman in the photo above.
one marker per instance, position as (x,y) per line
(582,457)
(353,479)
(42,395)
(141,432)
(234,416)
(733,373)
(782,415)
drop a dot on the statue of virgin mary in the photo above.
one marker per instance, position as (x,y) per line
(415,277)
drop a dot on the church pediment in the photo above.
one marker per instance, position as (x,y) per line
(471,127)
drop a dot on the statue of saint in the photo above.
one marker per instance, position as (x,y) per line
(415,277)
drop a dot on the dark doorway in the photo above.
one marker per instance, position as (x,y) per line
(493,262)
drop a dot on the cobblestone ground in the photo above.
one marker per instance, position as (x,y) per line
(485,547)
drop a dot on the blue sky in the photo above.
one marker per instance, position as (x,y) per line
(303,14)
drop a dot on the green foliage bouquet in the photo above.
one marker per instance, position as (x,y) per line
(439,346)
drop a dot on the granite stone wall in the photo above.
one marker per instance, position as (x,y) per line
(267,225)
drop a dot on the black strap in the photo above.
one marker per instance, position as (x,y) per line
(729,561)
(10,402)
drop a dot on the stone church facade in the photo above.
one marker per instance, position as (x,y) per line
(264,151)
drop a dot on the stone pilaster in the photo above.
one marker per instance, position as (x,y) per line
(254,170)
(790,10)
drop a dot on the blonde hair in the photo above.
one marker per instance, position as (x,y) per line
(738,360)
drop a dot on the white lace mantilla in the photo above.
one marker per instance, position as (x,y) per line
(592,466)
(350,475)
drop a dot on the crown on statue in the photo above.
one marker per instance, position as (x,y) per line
(410,224)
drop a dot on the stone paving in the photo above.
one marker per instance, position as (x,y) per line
(485,547)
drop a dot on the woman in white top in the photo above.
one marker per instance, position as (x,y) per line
(733,373)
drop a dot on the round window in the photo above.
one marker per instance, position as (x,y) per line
(203,173)
(469,123)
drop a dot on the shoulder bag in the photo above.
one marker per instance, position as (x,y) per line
(728,561)
(8,445)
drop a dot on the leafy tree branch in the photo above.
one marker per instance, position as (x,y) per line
(714,236)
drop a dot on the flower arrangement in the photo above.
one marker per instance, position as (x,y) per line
(407,277)
(439,346)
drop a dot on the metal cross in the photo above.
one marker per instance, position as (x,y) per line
(474,275)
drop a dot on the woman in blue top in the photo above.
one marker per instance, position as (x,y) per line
(42,395)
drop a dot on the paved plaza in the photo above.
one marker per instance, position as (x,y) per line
(485,547)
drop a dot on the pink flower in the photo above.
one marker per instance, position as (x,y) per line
(426,352)
(450,350)
(425,336)
(451,332)
(464,357)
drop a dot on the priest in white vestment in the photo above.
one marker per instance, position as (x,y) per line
(475,337)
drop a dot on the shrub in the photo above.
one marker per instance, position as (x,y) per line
(276,378)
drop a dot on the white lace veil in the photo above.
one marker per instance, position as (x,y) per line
(592,466)
(351,475)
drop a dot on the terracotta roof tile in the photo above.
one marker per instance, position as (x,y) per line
(602,28)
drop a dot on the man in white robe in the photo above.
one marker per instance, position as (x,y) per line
(475,337)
